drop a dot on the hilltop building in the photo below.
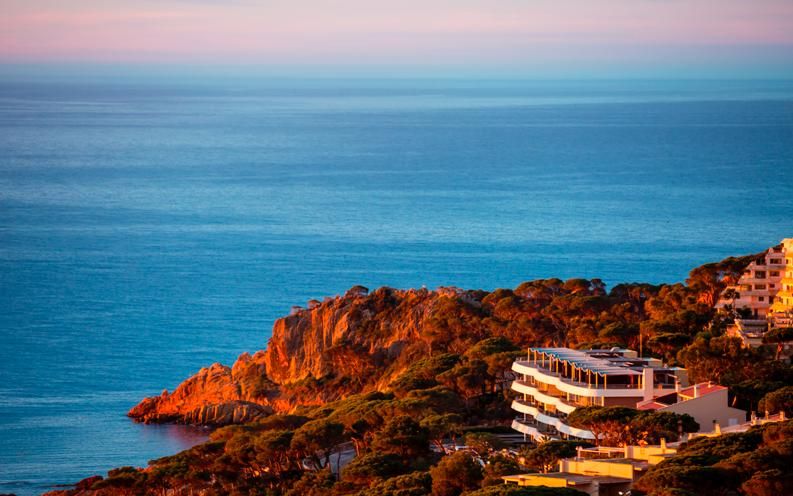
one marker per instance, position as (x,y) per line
(762,299)
(755,292)
(553,382)
(782,304)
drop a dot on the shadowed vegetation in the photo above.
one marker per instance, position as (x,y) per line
(390,415)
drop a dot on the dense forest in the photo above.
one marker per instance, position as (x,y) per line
(367,387)
(754,463)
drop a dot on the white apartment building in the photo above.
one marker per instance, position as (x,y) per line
(766,285)
(765,293)
(552,382)
(783,300)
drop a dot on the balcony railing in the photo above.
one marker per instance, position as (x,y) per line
(601,453)
(544,429)
(548,423)
(538,364)
(541,409)
(555,396)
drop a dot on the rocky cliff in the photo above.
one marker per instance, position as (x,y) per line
(346,336)
(216,395)
(362,341)
(348,342)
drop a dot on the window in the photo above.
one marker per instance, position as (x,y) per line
(776,260)
(774,273)
(761,298)
(772,286)
(759,274)
(770,299)
(759,286)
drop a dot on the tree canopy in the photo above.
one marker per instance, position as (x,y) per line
(620,426)
(755,463)
(425,367)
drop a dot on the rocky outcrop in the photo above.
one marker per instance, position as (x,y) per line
(81,488)
(216,395)
(346,336)
(233,412)
(361,341)
(358,335)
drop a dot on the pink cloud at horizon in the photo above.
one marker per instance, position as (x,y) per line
(411,31)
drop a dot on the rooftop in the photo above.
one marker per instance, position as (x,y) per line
(571,479)
(685,394)
(603,362)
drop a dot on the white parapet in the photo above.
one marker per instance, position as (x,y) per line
(551,421)
(529,369)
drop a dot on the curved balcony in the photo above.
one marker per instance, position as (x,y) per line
(545,376)
(527,428)
(551,421)
(525,388)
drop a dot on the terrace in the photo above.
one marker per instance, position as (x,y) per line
(549,395)
(582,369)
(594,369)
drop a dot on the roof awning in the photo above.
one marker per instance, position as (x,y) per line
(582,360)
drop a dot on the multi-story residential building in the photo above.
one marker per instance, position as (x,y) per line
(763,297)
(553,382)
(783,300)
(756,290)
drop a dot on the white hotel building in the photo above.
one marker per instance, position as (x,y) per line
(552,382)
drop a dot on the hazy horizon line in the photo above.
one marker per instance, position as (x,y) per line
(155,70)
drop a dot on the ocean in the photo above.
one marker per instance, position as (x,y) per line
(149,228)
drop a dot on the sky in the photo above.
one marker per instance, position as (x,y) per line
(540,37)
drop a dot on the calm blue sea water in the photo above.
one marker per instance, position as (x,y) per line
(149,229)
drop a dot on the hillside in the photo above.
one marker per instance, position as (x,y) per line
(389,375)
(361,341)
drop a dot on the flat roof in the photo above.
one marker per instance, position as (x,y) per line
(684,394)
(585,361)
(574,479)
(625,461)
(605,479)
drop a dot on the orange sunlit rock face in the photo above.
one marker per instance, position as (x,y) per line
(341,338)
(362,341)
(216,395)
